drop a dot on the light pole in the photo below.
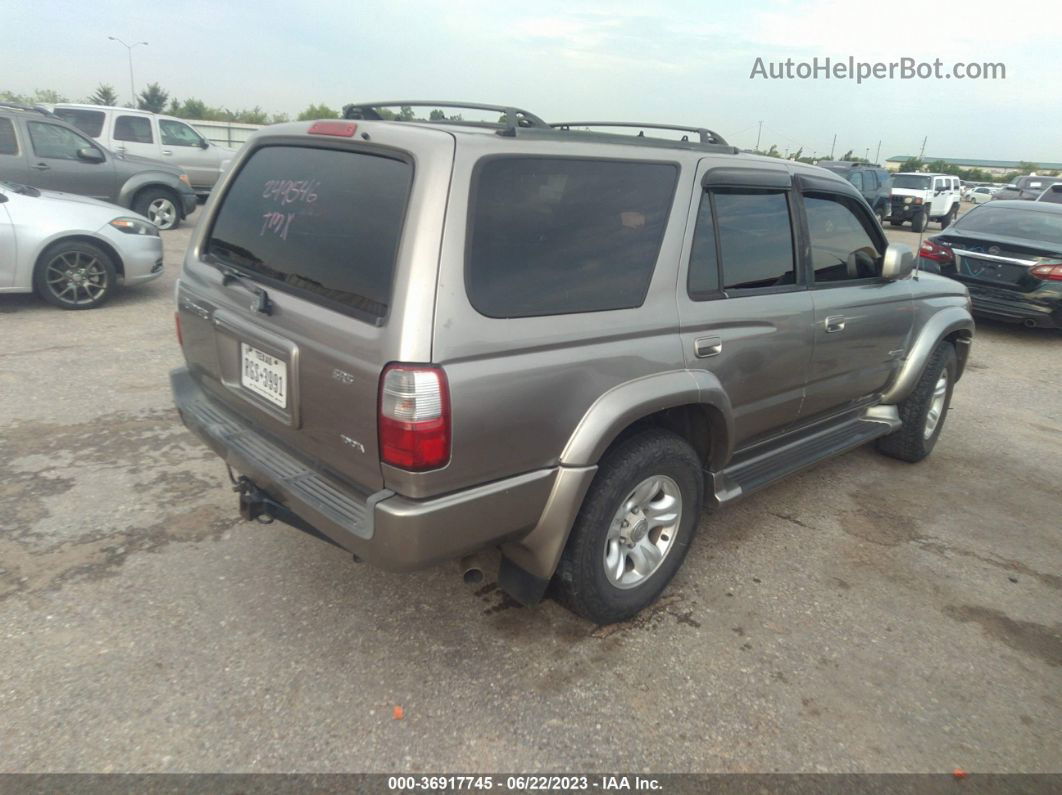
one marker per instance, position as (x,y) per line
(129,51)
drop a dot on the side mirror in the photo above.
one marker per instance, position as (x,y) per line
(90,155)
(899,262)
(203,143)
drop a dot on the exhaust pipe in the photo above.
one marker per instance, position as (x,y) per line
(1029,323)
(471,570)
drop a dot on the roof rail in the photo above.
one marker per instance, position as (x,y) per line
(513,117)
(706,136)
(21,106)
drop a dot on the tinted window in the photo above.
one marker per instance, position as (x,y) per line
(51,140)
(842,247)
(913,181)
(553,236)
(870,180)
(755,238)
(320,222)
(8,142)
(89,122)
(1053,195)
(135,129)
(703,278)
(856,178)
(1013,222)
(175,133)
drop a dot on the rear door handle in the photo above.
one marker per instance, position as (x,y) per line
(835,323)
(41,166)
(704,347)
(167,152)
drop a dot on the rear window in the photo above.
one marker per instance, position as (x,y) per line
(89,122)
(8,142)
(910,181)
(552,236)
(323,223)
(1032,224)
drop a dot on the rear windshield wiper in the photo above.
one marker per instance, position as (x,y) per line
(229,274)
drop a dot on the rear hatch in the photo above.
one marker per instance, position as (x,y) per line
(329,229)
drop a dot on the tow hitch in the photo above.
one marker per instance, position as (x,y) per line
(257,506)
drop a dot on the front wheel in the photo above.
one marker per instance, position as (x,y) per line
(923,411)
(160,207)
(634,528)
(920,222)
(74,275)
(949,219)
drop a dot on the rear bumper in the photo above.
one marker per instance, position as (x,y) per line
(1042,308)
(383,528)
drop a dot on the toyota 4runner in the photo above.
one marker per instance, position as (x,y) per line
(417,340)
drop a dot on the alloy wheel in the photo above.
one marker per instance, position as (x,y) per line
(76,278)
(642,532)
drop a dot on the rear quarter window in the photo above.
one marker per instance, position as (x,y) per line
(551,236)
(89,122)
(322,223)
(8,141)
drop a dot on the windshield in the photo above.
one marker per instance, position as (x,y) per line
(912,181)
(1037,225)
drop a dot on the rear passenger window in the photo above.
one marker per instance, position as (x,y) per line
(135,129)
(856,178)
(8,142)
(755,238)
(551,236)
(89,122)
(842,246)
(870,180)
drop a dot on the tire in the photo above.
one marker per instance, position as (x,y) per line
(75,275)
(160,207)
(650,469)
(918,435)
(880,213)
(949,219)
(919,222)
(896,224)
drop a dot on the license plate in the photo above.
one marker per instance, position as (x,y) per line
(265,375)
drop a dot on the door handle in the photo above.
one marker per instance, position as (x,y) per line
(167,152)
(41,166)
(834,323)
(704,347)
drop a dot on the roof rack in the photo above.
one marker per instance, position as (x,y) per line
(30,108)
(513,117)
(706,136)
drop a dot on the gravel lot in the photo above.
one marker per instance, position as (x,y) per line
(867,615)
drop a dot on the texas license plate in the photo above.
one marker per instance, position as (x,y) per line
(265,375)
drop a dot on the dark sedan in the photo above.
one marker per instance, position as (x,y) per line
(1009,255)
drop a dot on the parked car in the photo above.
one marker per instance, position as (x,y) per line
(982,194)
(154,135)
(1026,188)
(72,251)
(1009,255)
(1052,195)
(873,182)
(921,198)
(38,149)
(556,342)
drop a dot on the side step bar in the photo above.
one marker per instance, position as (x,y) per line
(763,467)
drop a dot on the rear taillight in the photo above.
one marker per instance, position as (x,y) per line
(177,322)
(414,419)
(1048,271)
(936,252)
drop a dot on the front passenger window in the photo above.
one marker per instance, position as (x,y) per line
(53,141)
(842,246)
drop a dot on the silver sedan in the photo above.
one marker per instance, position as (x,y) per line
(71,250)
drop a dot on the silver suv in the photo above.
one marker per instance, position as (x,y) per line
(420,339)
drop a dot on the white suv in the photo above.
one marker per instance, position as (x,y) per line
(921,198)
(146,134)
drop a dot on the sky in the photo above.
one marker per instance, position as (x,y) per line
(645,60)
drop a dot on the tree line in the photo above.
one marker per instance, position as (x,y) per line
(157,100)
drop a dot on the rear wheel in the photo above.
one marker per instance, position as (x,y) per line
(159,206)
(923,411)
(634,528)
(74,275)
(949,219)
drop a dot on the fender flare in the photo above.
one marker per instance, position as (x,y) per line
(149,179)
(942,324)
(626,403)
